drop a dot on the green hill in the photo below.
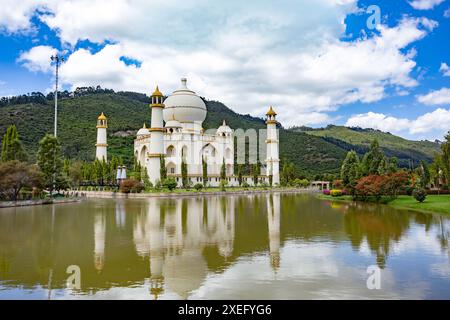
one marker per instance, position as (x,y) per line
(126,113)
(360,139)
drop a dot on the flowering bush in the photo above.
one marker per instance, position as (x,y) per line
(326,192)
(336,193)
(377,186)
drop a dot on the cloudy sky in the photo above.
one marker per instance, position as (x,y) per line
(316,61)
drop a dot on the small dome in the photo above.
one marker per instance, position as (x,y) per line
(173,124)
(143,131)
(101,117)
(224,128)
(184,105)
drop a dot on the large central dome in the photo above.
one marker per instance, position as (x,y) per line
(184,105)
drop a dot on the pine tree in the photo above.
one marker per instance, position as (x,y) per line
(51,164)
(12,148)
(223,172)
(240,173)
(162,169)
(184,174)
(350,170)
(424,174)
(372,159)
(204,171)
(383,166)
(393,165)
(445,158)
(66,167)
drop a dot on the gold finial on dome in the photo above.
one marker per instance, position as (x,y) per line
(224,123)
(157,93)
(101,117)
(271,112)
(145,126)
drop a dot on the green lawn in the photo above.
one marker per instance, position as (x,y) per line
(433,203)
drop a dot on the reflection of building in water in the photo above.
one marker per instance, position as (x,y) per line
(273,219)
(173,234)
(99,240)
(120,213)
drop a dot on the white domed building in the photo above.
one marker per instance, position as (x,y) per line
(177,134)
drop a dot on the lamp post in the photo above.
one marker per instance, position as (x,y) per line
(57,60)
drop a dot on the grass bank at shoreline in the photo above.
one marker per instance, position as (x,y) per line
(433,203)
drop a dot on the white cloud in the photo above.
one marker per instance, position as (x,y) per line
(447,13)
(378,121)
(290,55)
(37,59)
(445,69)
(425,4)
(437,121)
(436,97)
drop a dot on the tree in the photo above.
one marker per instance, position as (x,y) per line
(204,171)
(255,170)
(11,146)
(113,165)
(372,159)
(16,175)
(445,147)
(66,167)
(383,166)
(287,174)
(162,169)
(184,174)
(76,173)
(223,172)
(424,174)
(393,165)
(50,162)
(436,171)
(240,173)
(145,179)
(350,171)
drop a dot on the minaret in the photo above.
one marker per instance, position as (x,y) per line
(272,160)
(157,137)
(102,125)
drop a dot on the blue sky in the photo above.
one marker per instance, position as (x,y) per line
(316,61)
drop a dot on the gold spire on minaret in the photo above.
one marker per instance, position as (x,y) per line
(271,112)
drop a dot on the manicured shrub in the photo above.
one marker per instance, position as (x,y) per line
(131,185)
(245,185)
(223,184)
(198,186)
(336,193)
(170,183)
(326,192)
(420,194)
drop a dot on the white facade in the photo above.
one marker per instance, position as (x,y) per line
(183,138)
(101,145)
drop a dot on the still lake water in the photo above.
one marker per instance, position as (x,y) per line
(277,246)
